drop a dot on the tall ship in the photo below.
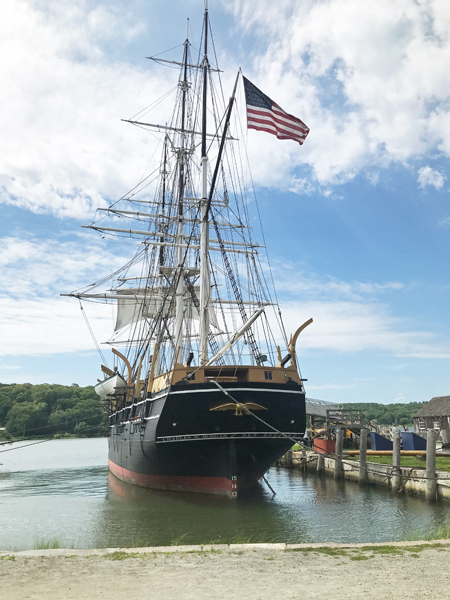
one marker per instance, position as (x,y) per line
(205,393)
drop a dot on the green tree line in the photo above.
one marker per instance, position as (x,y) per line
(387,414)
(49,409)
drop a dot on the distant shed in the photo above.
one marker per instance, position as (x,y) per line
(435,414)
(317,409)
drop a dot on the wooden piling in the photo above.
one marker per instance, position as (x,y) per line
(363,457)
(431,466)
(338,457)
(304,460)
(320,462)
(288,459)
(396,480)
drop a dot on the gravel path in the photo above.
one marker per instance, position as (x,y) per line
(258,571)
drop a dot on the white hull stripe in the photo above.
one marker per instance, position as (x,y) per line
(197,437)
(134,421)
(277,391)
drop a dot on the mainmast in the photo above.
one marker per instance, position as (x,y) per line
(156,361)
(178,334)
(205,285)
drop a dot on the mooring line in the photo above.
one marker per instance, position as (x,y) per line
(331,455)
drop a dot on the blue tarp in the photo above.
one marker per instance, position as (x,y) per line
(379,442)
(412,441)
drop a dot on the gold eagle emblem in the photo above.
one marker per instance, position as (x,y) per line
(240,409)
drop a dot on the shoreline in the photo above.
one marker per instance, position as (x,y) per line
(408,570)
(205,548)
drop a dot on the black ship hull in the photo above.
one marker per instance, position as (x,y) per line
(194,438)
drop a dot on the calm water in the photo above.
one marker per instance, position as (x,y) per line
(62,490)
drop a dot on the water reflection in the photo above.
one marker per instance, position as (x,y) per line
(160,517)
(63,490)
(61,482)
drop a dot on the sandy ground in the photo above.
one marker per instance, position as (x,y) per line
(259,571)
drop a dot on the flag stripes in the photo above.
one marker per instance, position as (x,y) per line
(265,115)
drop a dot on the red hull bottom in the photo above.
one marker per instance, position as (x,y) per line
(206,485)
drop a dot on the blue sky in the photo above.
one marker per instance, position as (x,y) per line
(357,220)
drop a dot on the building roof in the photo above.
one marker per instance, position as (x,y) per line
(318,408)
(436,407)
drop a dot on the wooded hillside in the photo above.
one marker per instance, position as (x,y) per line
(41,410)
(388,414)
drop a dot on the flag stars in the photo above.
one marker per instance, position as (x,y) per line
(265,115)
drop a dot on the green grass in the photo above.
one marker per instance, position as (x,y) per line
(442,463)
(43,544)
(441,532)
(323,550)
(353,554)
(121,555)
(181,540)
(382,549)
(139,543)
(367,552)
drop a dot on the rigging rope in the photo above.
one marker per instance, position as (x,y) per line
(331,455)
(83,312)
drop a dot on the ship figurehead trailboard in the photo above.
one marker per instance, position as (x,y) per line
(205,393)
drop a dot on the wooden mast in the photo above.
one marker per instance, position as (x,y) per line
(205,286)
(179,311)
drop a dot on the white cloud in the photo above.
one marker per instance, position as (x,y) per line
(429,176)
(331,386)
(50,326)
(372,94)
(350,316)
(369,79)
(34,319)
(62,101)
(33,268)
(292,281)
(354,327)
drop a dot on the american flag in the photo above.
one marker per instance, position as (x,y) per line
(264,114)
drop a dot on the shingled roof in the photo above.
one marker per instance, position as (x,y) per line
(436,407)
